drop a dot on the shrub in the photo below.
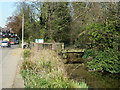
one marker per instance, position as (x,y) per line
(103,35)
(27,53)
(106,60)
(89,53)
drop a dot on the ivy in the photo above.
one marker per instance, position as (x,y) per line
(103,35)
(107,60)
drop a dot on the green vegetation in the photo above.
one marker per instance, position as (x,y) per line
(107,60)
(27,53)
(89,53)
(104,36)
(105,41)
(75,24)
(64,22)
(40,71)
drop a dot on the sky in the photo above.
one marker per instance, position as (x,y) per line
(6,9)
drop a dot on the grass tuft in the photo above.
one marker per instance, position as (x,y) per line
(44,69)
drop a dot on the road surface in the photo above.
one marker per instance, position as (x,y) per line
(9,58)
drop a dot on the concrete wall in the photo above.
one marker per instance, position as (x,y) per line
(52,46)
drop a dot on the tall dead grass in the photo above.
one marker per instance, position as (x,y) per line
(49,68)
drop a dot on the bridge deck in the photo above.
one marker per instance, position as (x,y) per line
(73,51)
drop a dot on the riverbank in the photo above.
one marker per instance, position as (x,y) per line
(45,69)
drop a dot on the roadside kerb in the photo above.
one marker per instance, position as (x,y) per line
(18,81)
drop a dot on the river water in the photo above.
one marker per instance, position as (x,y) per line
(93,79)
(79,73)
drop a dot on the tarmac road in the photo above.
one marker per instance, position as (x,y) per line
(9,58)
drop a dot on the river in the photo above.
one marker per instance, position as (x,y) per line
(79,72)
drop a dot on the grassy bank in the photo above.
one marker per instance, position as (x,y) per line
(44,69)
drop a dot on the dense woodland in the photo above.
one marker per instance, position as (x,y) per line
(74,23)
